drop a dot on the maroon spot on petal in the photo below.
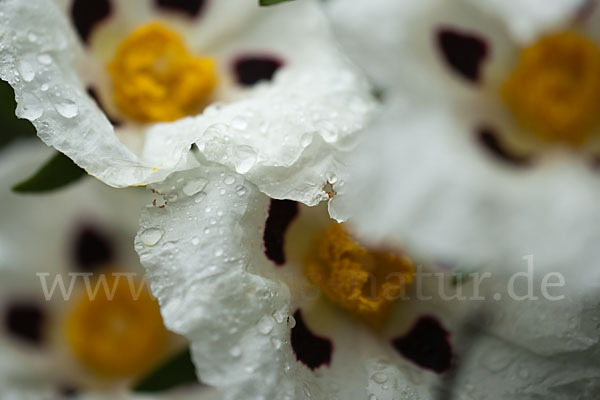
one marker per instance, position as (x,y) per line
(92,249)
(281,214)
(427,345)
(68,391)
(310,349)
(490,140)
(190,7)
(25,321)
(464,52)
(94,95)
(251,69)
(586,10)
(87,13)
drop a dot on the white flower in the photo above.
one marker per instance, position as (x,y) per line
(485,147)
(242,277)
(147,61)
(53,338)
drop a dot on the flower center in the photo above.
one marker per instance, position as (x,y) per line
(156,79)
(555,88)
(117,332)
(360,280)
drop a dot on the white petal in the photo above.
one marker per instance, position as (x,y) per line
(527,19)
(440,192)
(304,118)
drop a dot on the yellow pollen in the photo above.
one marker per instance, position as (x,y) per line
(156,79)
(360,280)
(555,89)
(120,337)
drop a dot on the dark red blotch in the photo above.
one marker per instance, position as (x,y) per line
(92,249)
(86,14)
(251,69)
(427,345)
(463,52)
(310,349)
(25,320)
(489,139)
(191,7)
(281,214)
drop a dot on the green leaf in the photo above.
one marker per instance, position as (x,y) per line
(178,370)
(57,172)
(11,126)
(265,3)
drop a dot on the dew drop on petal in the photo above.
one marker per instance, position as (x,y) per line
(278,316)
(199,197)
(32,111)
(195,241)
(194,186)
(276,343)
(306,139)
(235,352)
(229,180)
(26,70)
(151,236)
(44,59)
(245,158)
(241,190)
(67,109)
(265,325)
(239,124)
(372,397)
(379,377)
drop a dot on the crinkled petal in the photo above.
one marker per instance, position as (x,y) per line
(208,268)
(311,109)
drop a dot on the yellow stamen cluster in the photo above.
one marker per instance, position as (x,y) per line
(116,333)
(156,79)
(555,89)
(362,281)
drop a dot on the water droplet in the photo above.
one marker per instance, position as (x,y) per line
(44,59)
(31,111)
(239,124)
(218,252)
(229,180)
(44,87)
(151,236)
(172,197)
(372,397)
(306,139)
(278,316)
(241,190)
(194,186)
(199,197)
(496,360)
(245,157)
(235,352)
(291,322)
(379,377)
(331,177)
(195,241)
(276,343)
(67,109)
(32,37)
(26,70)
(265,326)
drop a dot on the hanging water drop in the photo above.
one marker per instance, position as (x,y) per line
(151,236)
